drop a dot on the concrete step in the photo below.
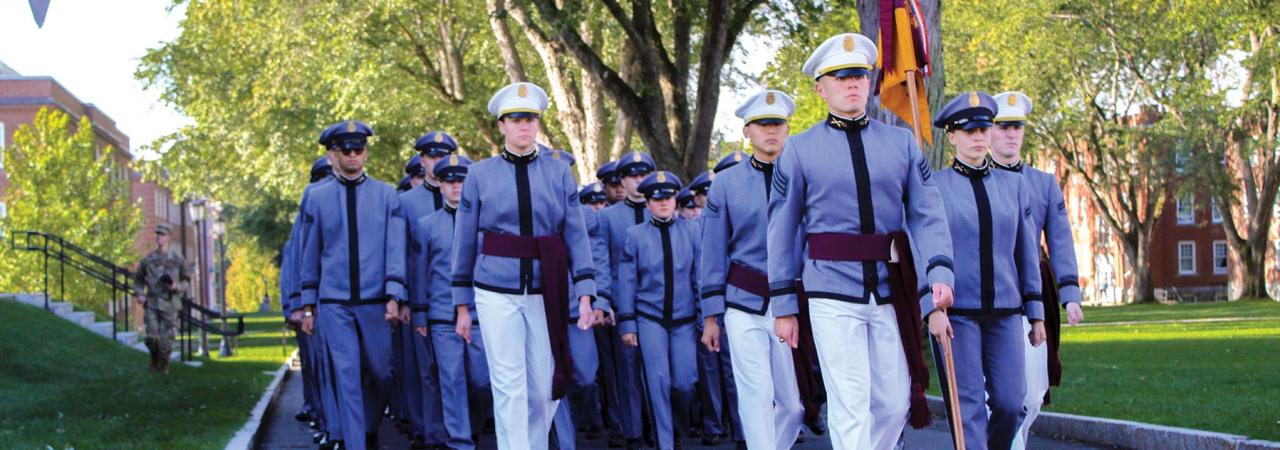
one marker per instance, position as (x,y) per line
(127,337)
(79,317)
(30,299)
(140,346)
(61,308)
(102,328)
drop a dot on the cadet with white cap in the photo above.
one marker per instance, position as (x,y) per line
(735,289)
(352,271)
(989,215)
(519,240)
(852,186)
(1058,273)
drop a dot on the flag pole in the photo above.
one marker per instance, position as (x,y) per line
(915,112)
(957,425)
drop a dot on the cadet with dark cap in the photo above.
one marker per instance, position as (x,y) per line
(699,187)
(730,160)
(608,175)
(458,347)
(158,285)
(853,187)
(657,304)
(990,217)
(352,272)
(420,381)
(593,196)
(615,220)
(687,206)
(519,240)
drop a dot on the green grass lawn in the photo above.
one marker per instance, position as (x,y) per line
(1216,376)
(62,386)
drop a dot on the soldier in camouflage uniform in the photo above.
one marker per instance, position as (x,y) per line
(161,279)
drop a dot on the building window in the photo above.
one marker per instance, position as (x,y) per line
(1215,215)
(2,138)
(1219,257)
(1186,258)
(1180,157)
(4,210)
(1186,208)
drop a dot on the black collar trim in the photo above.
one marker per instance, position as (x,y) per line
(1015,167)
(356,182)
(760,165)
(847,125)
(518,159)
(970,171)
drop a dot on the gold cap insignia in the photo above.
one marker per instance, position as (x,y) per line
(598,188)
(973,99)
(439,137)
(711,175)
(737,157)
(849,45)
(768,99)
(453,160)
(636,157)
(351,126)
(555,155)
(1013,100)
(523,91)
(662,177)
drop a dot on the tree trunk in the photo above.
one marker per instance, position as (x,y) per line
(935,84)
(1138,258)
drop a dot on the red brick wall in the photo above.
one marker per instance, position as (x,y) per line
(1164,247)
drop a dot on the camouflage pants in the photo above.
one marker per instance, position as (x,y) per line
(161,319)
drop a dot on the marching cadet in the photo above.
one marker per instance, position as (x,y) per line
(850,186)
(582,411)
(416,170)
(458,347)
(615,220)
(519,241)
(699,187)
(989,214)
(158,285)
(1058,272)
(405,184)
(421,381)
(593,197)
(308,345)
(688,207)
(735,289)
(608,175)
(352,273)
(657,292)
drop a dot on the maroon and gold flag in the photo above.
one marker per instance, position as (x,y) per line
(904,47)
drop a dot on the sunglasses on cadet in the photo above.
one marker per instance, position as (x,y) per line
(349,151)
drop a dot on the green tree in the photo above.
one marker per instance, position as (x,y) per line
(251,275)
(64,183)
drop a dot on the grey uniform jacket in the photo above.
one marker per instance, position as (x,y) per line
(734,224)
(615,220)
(416,204)
(290,277)
(433,268)
(995,241)
(658,274)
(355,250)
(599,263)
(529,196)
(1049,213)
(815,190)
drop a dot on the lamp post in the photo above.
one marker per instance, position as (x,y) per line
(198,215)
(224,349)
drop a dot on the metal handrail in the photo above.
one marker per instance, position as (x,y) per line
(66,254)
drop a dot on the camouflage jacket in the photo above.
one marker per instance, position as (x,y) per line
(157,269)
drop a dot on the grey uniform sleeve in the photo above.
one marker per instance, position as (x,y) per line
(395,253)
(600,258)
(574,233)
(1027,256)
(1062,247)
(713,268)
(927,221)
(286,277)
(627,279)
(786,210)
(696,270)
(464,243)
(421,276)
(309,256)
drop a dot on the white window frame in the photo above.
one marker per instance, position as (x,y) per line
(1226,258)
(1185,209)
(1215,215)
(2,147)
(1187,245)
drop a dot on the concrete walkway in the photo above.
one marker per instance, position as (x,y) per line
(281,431)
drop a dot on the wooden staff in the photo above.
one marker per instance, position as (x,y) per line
(957,425)
(915,111)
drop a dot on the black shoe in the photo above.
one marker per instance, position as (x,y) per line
(711,439)
(403,427)
(371,440)
(418,442)
(800,438)
(740,445)
(332,445)
(595,433)
(303,417)
(695,432)
(634,444)
(616,441)
(318,438)
(816,425)
(314,425)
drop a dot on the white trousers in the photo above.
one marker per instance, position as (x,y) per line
(1037,367)
(518,352)
(763,369)
(865,372)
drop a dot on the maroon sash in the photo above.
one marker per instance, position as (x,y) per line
(1052,323)
(903,290)
(809,380)
(551,251)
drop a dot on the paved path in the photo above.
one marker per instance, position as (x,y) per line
(281,431)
